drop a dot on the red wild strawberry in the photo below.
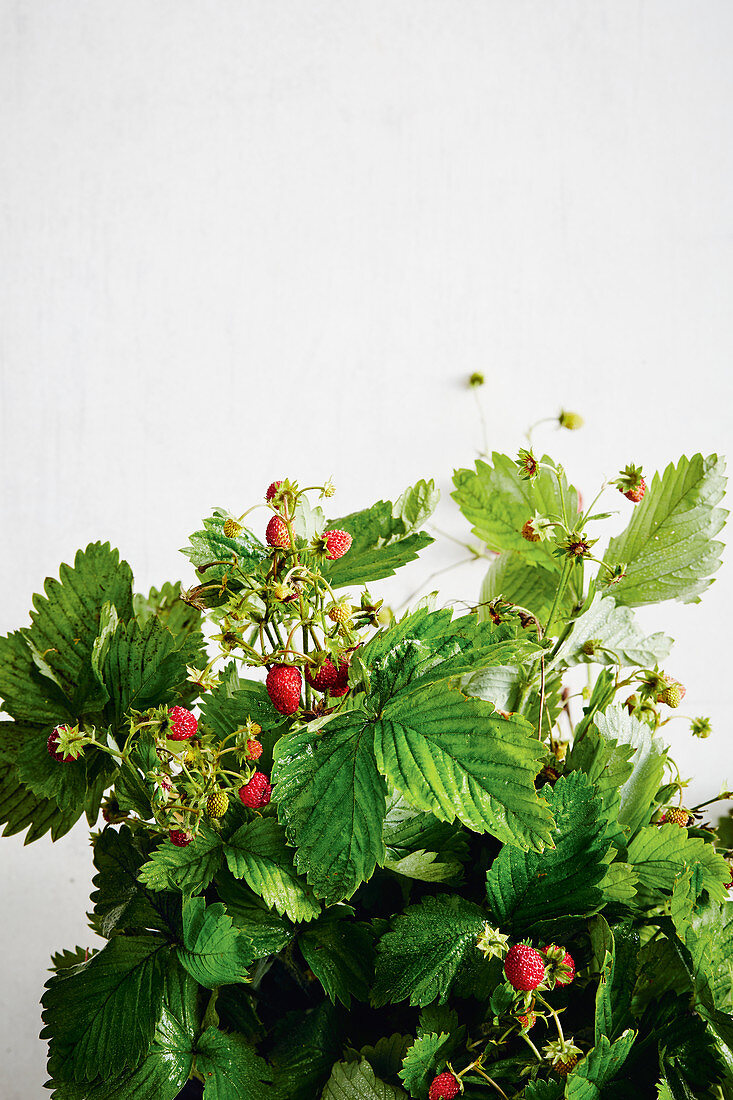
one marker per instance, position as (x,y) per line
(336,543)
(324,677)
(527,1021)
(272,488)
(52,746)
(256,793)
(444,1087)
(341,687)
(182,724)
(529,533)
(284,684)
(180,838)
(277,534)
(524,967)
(636,494)
(254,750)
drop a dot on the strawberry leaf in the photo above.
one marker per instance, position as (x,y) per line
(421,955)
(669,548)
(340,952)
(83,1008)
(357,1081)
(257,853)
(213,951)
(231,1068)
(188,869)
(545,892)
(384,537)
(331,800)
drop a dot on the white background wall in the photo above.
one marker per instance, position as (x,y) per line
(253,238)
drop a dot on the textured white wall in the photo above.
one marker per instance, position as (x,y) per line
(248,238)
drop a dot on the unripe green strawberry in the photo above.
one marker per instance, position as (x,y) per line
(217,804)
(673,694)
(570,420)
(231,528)
(339,613)
(676,815)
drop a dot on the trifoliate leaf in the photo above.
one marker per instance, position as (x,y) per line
(497,502)
(600,1066)
(215,554)
(331,800)
(213,951)
(340,952)
(384,536)
(528,583)
(84,1007)
(67,619)
(258,854)
(619,728)
(356,1081)
(606,634)
(669,548)
(120,900)
(188,869)
(230,1066)
(457,758)
(421,955)
(423,1061)
(528,891)
(306,1046)
(660,852)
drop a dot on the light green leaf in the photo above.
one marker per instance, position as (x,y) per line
(188,869)
(356,1081)
(528,583)
(83,1008)
(421,955)
(340,952)
(615,635)
(230,1066)
(619,728)
(457,758)
(528,891)
(384,536)
(497,502)
(214,553)
(258,854)
(166,605)
(331,800)
(668,547)
(213,951)
(661,852)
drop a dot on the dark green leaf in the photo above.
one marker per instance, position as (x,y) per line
(188,869)
(213,951)
(528,890)
(356,1081)
(331,800)
(340,952)
(84,1007)
(306,1046)
(420,956)
(230,1067)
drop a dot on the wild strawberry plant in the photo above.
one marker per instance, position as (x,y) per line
(360,857)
